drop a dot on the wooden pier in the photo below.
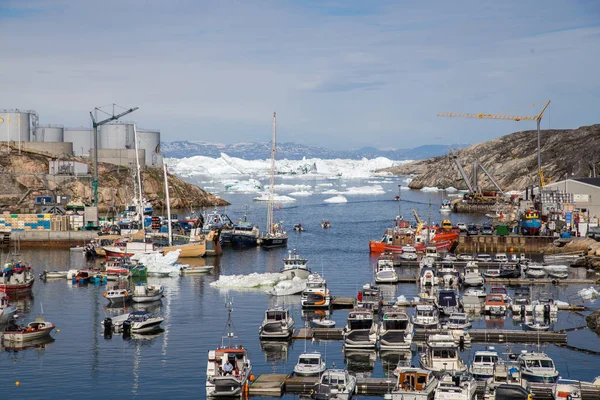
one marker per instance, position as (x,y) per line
(268,385)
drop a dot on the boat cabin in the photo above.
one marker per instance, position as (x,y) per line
(447,298)
(431,251)
(501,290)
(483,257)
(370,297)
(446,224)
(501,258)
(395,320)
(360,318)
(459,319)
(414,379)
(442,354)
(276,314)
(522,295)
(294,260)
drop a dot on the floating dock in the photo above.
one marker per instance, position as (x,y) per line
(268,385)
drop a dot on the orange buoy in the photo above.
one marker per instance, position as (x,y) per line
(251,378)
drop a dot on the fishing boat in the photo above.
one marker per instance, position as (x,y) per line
(245,234)
(223,383)
(334,384)
(16,278)
(446,207)
(530,222)
(495,304)
(537,367)
(456,387)
(82,276)
(441,355)
(35,330)
(277,324)
(360,330)
(309,364)
(472,276)
(385,272)
(316,294)
(458,321)
(147,293)
(395,331)
(414,384)
(426,316)
(483,363)
(370,297)
(7,311)
(408,253)
(447,301)
(117,296)
(295,265)
(275,235)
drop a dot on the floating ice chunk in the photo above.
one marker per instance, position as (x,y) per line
(589,293)
(401,299)
(331,191)
(302,193)
(370,190)
(451,189)
(249,186)
(283,187)
(276,197)
(287,287)
(325,184)
(430,189)
(336,199)
(251,281)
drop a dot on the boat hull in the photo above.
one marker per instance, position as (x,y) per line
(17,288)
(272,242)
(21,336)
(537,378)
(243,240)
(189,250)
(301,273)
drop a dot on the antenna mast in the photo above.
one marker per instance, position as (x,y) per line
(272,180)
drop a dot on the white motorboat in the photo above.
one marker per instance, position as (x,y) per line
(446,207)
(458,321)
(7,311)
(545,307)
(386,273)
(228,367)
(500,258)
(521,303)
(472,276)
(294,265)
(334,384)
(35,330)
(135,322)
(483,363)
(448,275)
(54,274)
(535,326)
(447,301)
(449,257)
(495,304)
(322,323)
(370,297)
(316,294)
(456,387)
(200,269)
(535,271)
(144,294)
(558,274)
(426,316)
(414,384)
(277,324)
(118,296)
(483,257)
(396,330)
(408,253)
(441,355)
(360,330)
(475,292)
(309,364)
(537,367)
(492,273)
(465,257)
(428,276)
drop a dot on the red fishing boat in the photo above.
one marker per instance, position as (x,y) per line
(16,278)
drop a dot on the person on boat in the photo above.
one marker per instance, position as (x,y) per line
(227,368)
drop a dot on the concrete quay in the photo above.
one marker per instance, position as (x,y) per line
(54,239)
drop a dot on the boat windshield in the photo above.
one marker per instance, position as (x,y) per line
(539,364)
(458,320)
(425,313)
(485,359)
(360,324)
(444,353)
(333,380)
(310,360)
(276,315)
(395,324)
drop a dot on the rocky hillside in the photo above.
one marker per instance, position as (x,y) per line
(512,159)
(24,176)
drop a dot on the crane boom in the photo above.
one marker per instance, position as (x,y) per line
(462,171)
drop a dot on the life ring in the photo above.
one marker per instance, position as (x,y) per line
(322,302)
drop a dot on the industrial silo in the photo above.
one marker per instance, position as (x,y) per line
(82,139)
(149,140)
(16,125)
(116,136)
(48,133)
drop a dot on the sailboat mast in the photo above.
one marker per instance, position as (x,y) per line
(168,204)
(139,177)
(272,180)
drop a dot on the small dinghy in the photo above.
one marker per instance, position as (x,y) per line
(186,269)
(537,326)
(323,323)
(558,275)
(54,275)
(35,330)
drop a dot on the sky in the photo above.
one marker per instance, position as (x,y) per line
(340,74)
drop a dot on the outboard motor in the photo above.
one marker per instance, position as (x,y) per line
(522,311)
(126,329)
(108,328)
(461,343)
(546,311)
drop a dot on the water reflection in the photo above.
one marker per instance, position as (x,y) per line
(39,344)
(23,301)
(392,359)
(360,362)
(275,350)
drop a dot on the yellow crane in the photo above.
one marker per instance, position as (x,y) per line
(516,118)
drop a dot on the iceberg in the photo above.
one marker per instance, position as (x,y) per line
(287,287)
(286,187)
(331,191)
(370,190)
(302,193)
(251,281)
(336,200)
(247,186)
(276,197)
(430,189)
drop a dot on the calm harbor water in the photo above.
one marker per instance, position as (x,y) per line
(81,363)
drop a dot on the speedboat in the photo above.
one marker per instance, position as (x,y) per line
(277,324)
(195,269)
(448,275)
(396,330)
(495,304)
(537,367)
(475,292)
(483,257)
(447,302)
(309,364)
(294,265)
(408,253)
(428,276)
(535,326)
(118,296)
(492,273)
(7,311)
(535,271)
(449,257)
(458,321)
(35,330)
(316,294)
(334,384)
(426,316)
(360,330)
(521,304)
(220,383)
(441,355)
(472,276)
(557,274)
(456,387)
(370,297)
(484,361)
(414,384)
(446,207)
(386,273)
(135,322)
(510,271)
(322,323)
(501,290)
(465,257)
(144,294)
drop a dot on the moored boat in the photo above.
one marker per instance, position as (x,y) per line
(35,330)
(426,316)
(16,278)
(530,222)
(316,294)
(360,330)
(537,367)
(483,363)
(295,265)
(118,296)
(456,387)
(7,311)
(334,384)
(441,355)
(147,293)
(385,272)
(309,364)
(396,330)
(370,297)
(414,384)
(277,324)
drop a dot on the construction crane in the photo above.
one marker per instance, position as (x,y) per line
(516,118)
(96,124)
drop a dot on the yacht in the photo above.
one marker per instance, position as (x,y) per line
(472,276)
(441,355)
(370,297)
(360,330)
(495,304)
(484,361)
(428,276)
(456,387)
(277,324)
(500,258)
(309,364)
(218,382)
(483,257)
(426,316)
(521,303)
(447,302)
(386,273)
(118,296)
(414,384)
(294,265)
(396,330)
(459,321)
(408,253)
(148,293)
(316,294)
(537,367)
(334,384)
(448,275)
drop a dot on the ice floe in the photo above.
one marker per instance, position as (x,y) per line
(276,197)
(251,281)
(370,190)
(336,200)
(302,193)
(287,287)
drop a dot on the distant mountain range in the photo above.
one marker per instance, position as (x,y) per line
(295,151)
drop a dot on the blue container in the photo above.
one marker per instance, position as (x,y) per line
(565,235)
(164,229)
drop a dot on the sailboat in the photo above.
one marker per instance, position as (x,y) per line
(275,235)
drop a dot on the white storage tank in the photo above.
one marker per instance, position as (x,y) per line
(16,125)
(49,133)
(82,139)
(149,140)
(116,136)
